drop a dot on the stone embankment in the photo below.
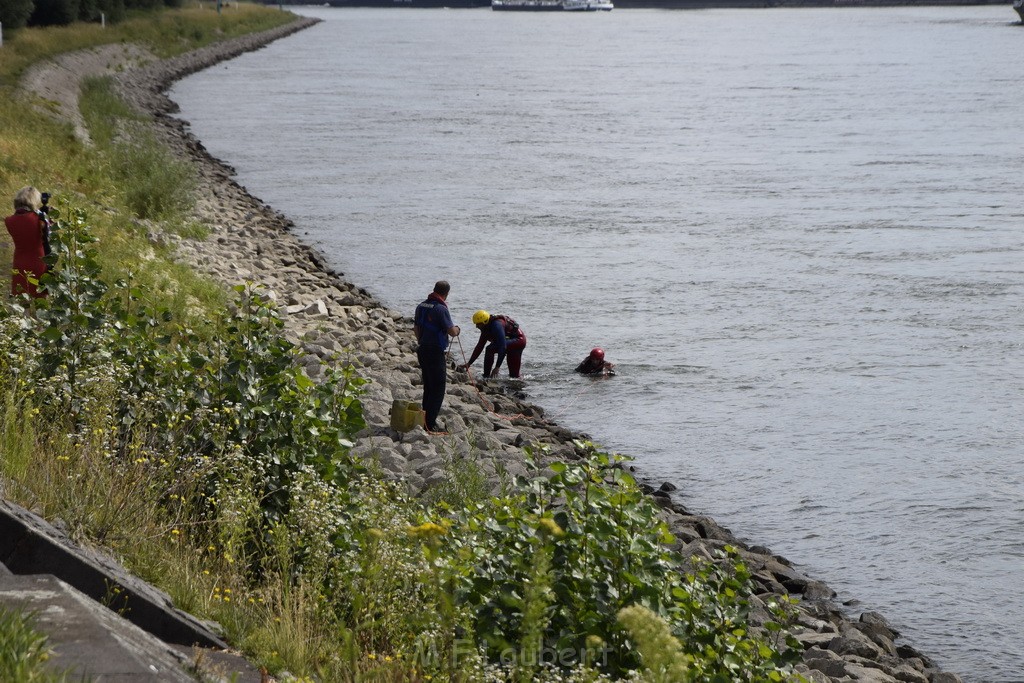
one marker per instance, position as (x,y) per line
(336,321)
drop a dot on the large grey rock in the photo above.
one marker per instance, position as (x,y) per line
(391,462)
(809,639)
(945,677)
(908,674)
(816,590)
(812,675)
(853,642)
(868,675)
(877,620)
(879,634)
(825,661)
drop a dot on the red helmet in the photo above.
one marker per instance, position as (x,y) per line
(597,353)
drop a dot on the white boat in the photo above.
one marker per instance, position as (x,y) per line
(591,5)
(526,5)
(551,5)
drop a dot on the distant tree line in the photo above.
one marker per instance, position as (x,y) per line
(18,13)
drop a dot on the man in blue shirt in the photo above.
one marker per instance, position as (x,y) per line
(433,325)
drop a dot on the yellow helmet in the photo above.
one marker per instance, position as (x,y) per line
(481,317)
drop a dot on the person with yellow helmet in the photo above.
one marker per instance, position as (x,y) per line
(505,341)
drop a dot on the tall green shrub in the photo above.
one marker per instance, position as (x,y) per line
(546,570)
(15,13)
(165,388)
(54,12)
(156,184)
(112,10)
(608,551)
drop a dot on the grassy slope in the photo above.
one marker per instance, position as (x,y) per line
(36,149)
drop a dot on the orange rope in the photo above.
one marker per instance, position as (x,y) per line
(487,404)
(579,393)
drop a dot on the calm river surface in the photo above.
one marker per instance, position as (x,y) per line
(798,233)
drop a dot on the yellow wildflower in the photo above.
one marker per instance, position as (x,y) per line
(427,530)
(550,526)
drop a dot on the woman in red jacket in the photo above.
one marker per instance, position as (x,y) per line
(29,229)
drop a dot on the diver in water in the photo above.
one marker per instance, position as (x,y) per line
(595,364)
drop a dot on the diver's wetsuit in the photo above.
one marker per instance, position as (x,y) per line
(507,341)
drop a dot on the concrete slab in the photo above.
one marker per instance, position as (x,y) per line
(224,667)
(30,545)
(88,640)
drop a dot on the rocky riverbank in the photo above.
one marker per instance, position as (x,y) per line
(336,321)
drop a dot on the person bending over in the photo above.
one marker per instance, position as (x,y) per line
(505,342)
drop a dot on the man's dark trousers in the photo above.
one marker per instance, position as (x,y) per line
(435,375)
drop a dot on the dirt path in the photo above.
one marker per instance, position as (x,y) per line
(58,81)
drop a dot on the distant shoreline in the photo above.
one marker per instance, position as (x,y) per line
(661,4)
(770,4)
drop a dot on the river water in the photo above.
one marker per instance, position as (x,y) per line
(798,234)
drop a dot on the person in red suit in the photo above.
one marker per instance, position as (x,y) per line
(30,230)
(595,364)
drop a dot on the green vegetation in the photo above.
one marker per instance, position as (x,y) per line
(16,14)
(171,422)
(23,651)
(154,184)
(164,33)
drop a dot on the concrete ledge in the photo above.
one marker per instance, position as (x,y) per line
(30,545)
(88,640)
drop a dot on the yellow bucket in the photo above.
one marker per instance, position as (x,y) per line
(405,415)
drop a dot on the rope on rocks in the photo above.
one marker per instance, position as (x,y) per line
(487,403)
(579,393)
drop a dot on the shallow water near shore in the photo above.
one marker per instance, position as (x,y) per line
(798,234)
